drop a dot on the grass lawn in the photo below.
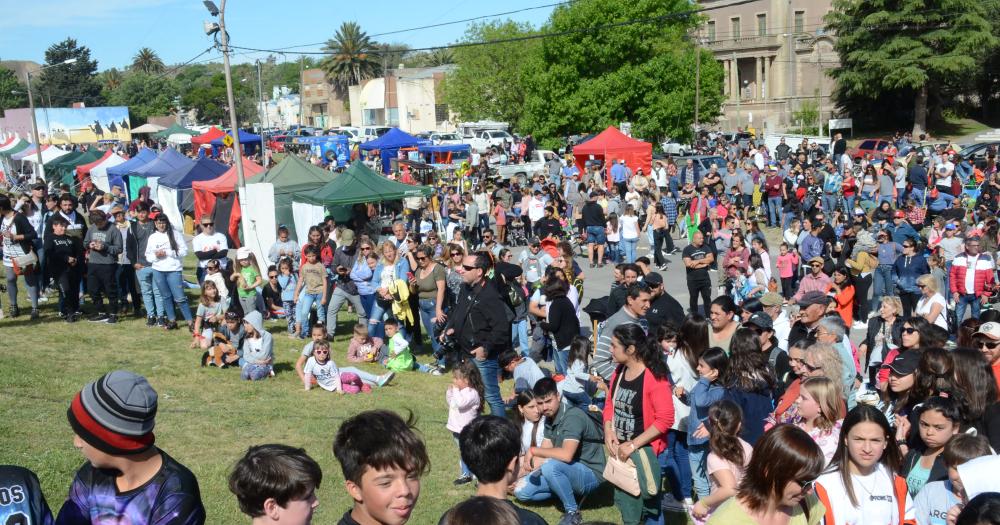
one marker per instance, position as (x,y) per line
(208,417)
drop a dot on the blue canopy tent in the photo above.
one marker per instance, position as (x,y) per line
(168,162)
(116,175)
(174,191)
(445,154)
(389,145)
(249,141)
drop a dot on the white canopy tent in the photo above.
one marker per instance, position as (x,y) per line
(178,139)
(48,154)
(99,173)
(148,128)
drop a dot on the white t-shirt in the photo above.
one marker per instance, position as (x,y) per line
(526,436)
(924,308)
(216,241)
(877,503)
(12,248)
(614,234)
(573,295)
(630,226)
(327,375)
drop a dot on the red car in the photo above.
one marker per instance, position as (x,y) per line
(277,143)
(874,147)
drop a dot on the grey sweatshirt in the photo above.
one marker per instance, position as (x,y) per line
(112,239)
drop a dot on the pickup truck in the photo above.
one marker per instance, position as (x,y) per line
(486,139)
(534,165)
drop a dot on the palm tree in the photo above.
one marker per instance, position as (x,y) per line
(111,79)
(353,57)
(440,57)
(147,61)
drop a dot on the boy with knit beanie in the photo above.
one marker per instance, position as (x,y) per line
(126,479)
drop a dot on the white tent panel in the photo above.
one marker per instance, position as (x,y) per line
(305,215)
(99,173)
(167,199)
(259,225)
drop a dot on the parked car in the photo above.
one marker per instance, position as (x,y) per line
(445,138)
(484,140)
(978,153)
(671,147)
(366,133)
(277,143)
(873,147)
(534,165)
(705,161)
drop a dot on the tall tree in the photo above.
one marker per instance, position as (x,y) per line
(908,46)
(145,95)
(147,61)
(353,56)
(12,93)
(110,79)
(65,84)
(491,81)
(208,97)
(641,73)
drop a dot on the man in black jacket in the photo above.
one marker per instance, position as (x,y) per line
(663,307)
(595,224)
(480,325)
(135,250)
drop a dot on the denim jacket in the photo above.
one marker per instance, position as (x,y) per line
(702,396)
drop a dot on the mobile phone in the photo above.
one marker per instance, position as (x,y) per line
(409,275)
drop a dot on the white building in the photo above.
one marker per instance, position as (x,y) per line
(282,110)
(409,98)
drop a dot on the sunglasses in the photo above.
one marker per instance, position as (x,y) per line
(989,345)
(909,330)
(424,258)
(809,367)
(366,248)
(321,351)
(208,224)
(807,486)
(816,265)
(275,276)
(470,268)
(458,254)
(921,286)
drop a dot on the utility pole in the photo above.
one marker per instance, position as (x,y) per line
(302,86)
(819,95)
(697,81)
(265,121)
(241,183)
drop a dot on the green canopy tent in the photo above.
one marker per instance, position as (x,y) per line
(63,169)
(20,146)
(359,184)
(289,177)
(174,128)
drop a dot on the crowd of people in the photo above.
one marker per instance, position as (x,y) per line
(844,358)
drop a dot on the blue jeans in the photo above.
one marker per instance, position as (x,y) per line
(368,302)
(488,369)
(254,372)
(613,252)
(774,211)
(519,336)
(461,464)
(830,202)
(697,455)
(428,309)
(565,481)
(917,194)
(676,465)
(375,326)
(559,359)
(883,285)
(849,203)
(151,297)
(302,310)
(629,245)
(964,301)
(171,289)
(289,308)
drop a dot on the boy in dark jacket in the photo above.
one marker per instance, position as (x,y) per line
(64,265)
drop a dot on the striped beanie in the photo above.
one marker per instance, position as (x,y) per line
(116,413)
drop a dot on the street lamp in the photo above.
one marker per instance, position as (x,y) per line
(34,121)
(219,32)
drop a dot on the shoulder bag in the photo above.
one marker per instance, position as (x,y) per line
(621,474)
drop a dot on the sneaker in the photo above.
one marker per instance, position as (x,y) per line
(98,318)
(112,319)
(670,504)
(71,318)
(435,372)
(62,315)
(385,378)
(572,518)
(150,321)
(14,311)
(170,325)
(662,267)
(161,321)
(462,480)
(859,325)
(35,314)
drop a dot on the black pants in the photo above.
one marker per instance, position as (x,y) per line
(909,301)
(101,282)
(861,287)
(788,287)
(527,226)
(69,290)
(705,289)
(658,240)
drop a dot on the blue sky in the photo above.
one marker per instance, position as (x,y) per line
(115,29)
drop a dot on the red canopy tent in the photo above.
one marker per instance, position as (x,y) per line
(206,193)
(208,136)
(613,145)
(84,170)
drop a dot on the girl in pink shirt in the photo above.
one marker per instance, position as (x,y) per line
(465,402)
(787,262)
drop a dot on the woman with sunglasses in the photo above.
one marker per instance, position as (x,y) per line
(862,485)
(916,334)
(908,268)
(885,331)
(932,305)
(428,283)
(452,261)
(769,495)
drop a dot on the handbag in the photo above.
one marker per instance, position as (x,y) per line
(24,264)
(622,474)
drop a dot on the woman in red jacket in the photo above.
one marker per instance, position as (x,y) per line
(637,416)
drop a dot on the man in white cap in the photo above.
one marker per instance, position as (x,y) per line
(209,245)
(988,342)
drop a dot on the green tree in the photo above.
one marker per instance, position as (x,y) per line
(641,73)
(491,81)
(910,46)
(353,56)
(209,99)
(145,95)
(147,61)
(12,92)
(110,79)
(65,84)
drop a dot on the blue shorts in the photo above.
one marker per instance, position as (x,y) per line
(596,235)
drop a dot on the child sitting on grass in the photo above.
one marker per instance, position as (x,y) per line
(364,348)
(319,338)
(322,371)
(209,315)
(399,358)
(276,484)
(258,349)
(226,346)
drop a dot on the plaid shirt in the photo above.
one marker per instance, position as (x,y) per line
(670,208)
(916,215)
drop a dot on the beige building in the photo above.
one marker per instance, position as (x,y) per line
(409,98)
(321,105)
(775,54)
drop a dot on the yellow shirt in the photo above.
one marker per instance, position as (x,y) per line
(732,513)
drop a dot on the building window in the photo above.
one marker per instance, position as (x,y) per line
(393,117)
(711,30)
(761,25)
(441,112)
(373,117)
(734,23)
(800,21)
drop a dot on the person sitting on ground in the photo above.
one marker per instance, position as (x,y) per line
(363,347)
(258,349)
(321,370)
(126,478)
(382,460)
(398,357)
(276,484)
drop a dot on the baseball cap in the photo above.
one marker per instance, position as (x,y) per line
(346,237)
(950,226)
(205,219)
(906,363)
(243,253)
(761,320)
(991,330)
(771,299)
(859,211)
(811,298)
(653,279)
(899,214)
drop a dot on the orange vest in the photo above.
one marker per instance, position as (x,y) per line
(899,491)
